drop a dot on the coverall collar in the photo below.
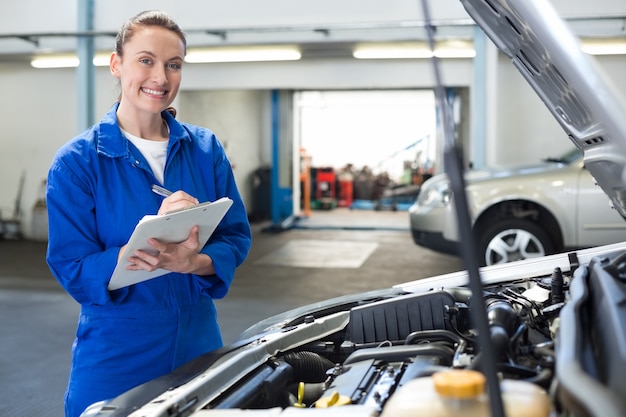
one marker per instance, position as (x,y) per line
(108,137)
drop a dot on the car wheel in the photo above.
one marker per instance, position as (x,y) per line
(513,240)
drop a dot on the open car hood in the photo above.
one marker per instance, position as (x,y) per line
(570,83)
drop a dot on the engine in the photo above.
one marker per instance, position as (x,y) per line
(389,343)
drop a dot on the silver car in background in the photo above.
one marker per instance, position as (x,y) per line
(519,213)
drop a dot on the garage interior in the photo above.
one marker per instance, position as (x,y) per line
(275,119)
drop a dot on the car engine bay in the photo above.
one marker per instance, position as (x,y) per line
(543,329)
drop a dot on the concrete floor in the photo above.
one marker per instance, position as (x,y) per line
(328,254)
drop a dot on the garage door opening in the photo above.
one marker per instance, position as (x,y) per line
(383,139)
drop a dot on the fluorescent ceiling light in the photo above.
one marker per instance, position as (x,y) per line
(414,50)
(55,61)
(454,53)
(67,61)
(102,59)
(444,49)
(240,54)
(391,52)
(604,47)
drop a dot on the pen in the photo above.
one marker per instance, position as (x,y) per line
(161,191)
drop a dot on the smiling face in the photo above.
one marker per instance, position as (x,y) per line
(149,70)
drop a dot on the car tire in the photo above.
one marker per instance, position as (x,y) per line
(512,240)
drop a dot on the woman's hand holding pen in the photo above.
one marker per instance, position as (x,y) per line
(175,201)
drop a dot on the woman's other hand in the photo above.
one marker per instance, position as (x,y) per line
(176,257)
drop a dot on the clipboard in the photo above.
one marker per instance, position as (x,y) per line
(172,227)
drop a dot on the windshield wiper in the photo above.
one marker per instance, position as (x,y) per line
(555,160)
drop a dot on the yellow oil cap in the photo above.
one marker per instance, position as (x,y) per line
(459,383)
(332,400)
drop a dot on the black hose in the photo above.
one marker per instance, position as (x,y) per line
(308,366)
(402,352)
(557,284)
(432,336)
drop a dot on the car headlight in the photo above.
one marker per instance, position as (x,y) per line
(434,193)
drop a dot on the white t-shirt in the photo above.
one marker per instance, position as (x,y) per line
(154,151)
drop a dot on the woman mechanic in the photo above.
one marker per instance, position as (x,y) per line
(99,187)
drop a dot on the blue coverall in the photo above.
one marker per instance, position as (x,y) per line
(98,188)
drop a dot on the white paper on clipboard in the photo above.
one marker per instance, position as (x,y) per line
(173,228)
